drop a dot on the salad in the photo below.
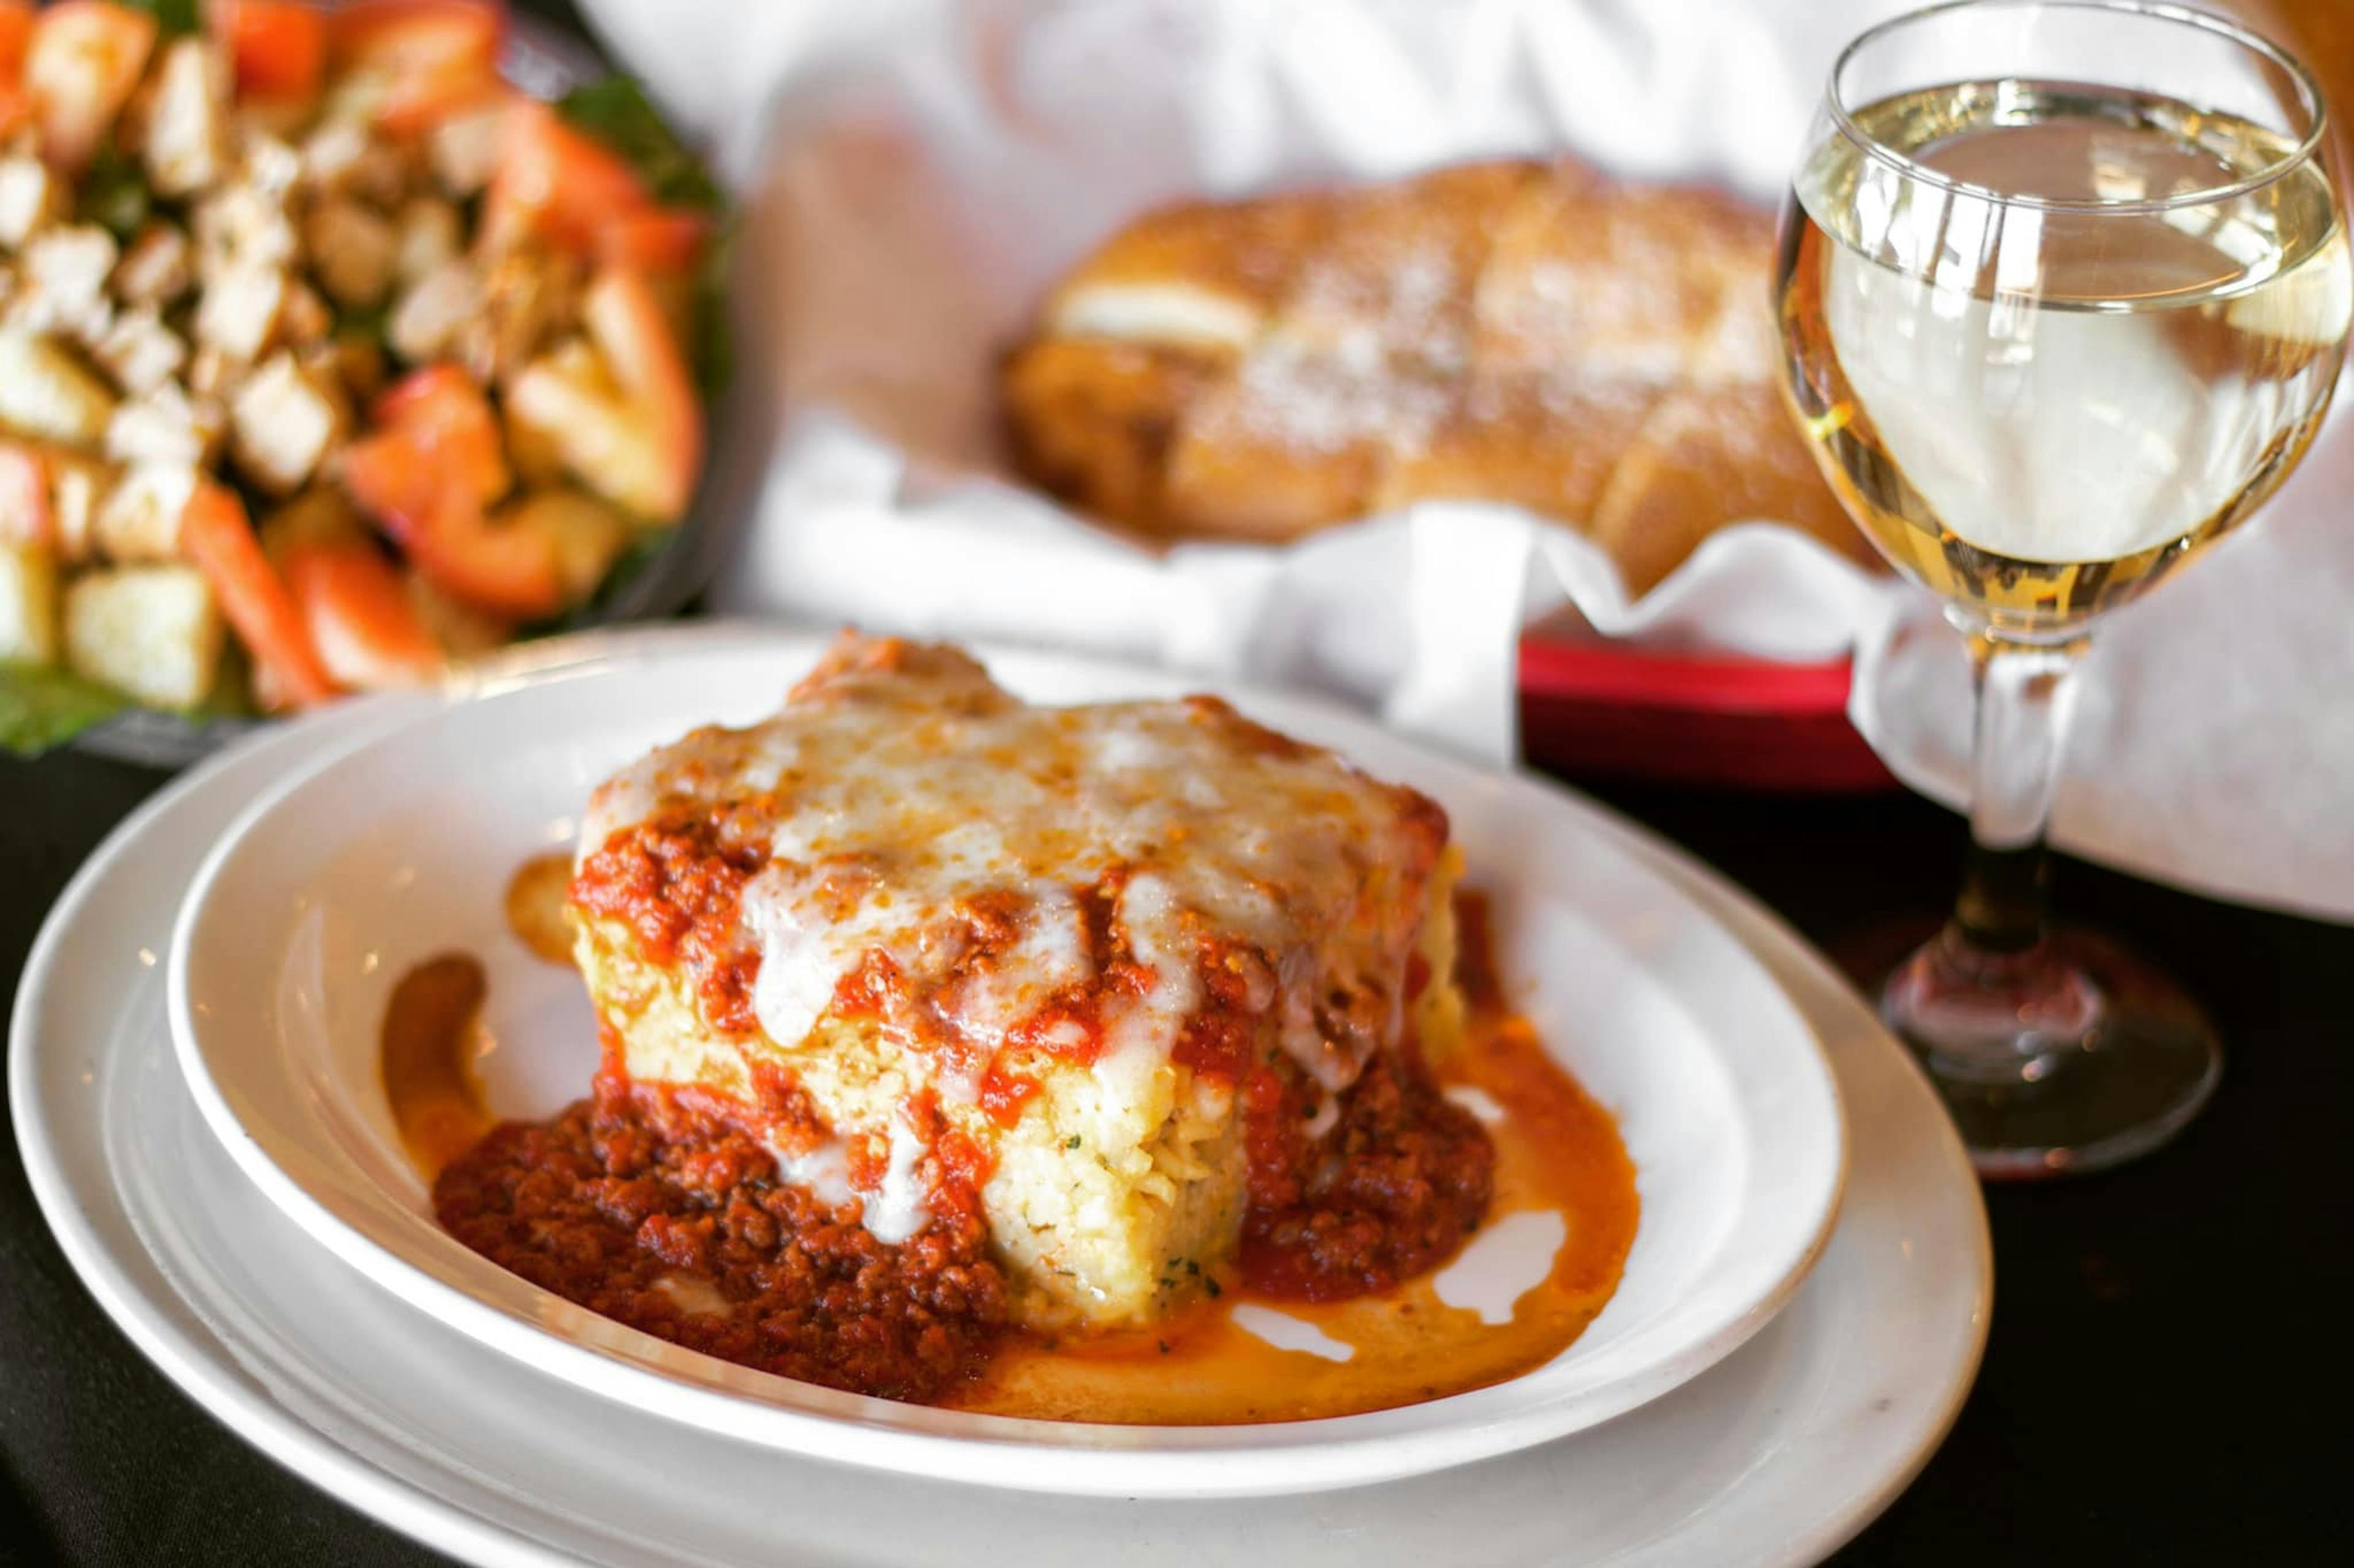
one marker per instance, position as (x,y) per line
(326,356)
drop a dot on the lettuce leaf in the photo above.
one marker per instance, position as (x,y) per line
(617,112)
(174,18)
(42,707)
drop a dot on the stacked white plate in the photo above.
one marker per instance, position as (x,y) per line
(195,1093)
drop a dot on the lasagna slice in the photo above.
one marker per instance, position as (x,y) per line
(941,949)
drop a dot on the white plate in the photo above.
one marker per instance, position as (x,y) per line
(335,885)
(1775,1456)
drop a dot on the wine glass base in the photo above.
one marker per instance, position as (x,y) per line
(2084,1058)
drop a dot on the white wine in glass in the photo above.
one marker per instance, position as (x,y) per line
(2063,290)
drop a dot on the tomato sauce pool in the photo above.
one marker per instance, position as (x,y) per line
(1506,1206)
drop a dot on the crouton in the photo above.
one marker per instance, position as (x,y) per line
(330,153)
(28,603)
(31,198)
(283,421)
(239,312)
(589,535)
(568,403)
(167,425)
(152,631)
(140,352)
(140,518)
(465,149)
(45,391)
(437,307)
(155,268)
(62,282)
(527,297)
(242,228)
(426,234)
(77,486)
(270,166)
(187,118)
(351,251)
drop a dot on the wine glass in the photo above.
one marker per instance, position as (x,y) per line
(2063,290)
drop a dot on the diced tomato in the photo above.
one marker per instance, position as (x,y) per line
(16,33)
(446,417)
(357,612)
(24,515)
(626,323)
(430,58)
(216,536)
(81,61)
(555,184)
(448,534)
(428,476)
(513,569)
(659,241)
(279,48)
(561,186)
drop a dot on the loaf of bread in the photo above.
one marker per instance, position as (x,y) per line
(1597,352)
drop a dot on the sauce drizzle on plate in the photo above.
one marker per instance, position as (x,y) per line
(430,1033)
(536,906)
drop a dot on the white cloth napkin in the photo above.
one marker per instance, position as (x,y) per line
(916,174)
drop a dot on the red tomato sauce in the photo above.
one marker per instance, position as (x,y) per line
(677,882)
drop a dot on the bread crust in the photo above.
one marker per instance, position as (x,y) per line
(1538,334)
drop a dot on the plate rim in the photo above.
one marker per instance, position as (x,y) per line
(162,1321)
(1089,1459)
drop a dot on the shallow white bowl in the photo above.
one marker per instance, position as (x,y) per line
(335,885)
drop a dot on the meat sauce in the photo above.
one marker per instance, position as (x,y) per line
(641,1205)
(659,1208)
(1390,1190)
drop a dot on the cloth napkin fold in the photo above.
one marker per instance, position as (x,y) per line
(915,176)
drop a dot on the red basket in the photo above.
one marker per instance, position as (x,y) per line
(1697,719)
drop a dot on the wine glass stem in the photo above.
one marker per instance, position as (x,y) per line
(1990,1001)
(2024,695)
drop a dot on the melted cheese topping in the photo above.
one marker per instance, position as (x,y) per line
(921,822)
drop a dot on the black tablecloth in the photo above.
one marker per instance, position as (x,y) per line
(2165,1382)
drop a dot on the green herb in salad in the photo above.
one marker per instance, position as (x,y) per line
(615,111)
(174,18)
(114,193)
(43,706)
(710,349)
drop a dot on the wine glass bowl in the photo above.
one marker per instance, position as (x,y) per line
(2063,290)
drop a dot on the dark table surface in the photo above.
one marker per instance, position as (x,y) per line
(2156,1330)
